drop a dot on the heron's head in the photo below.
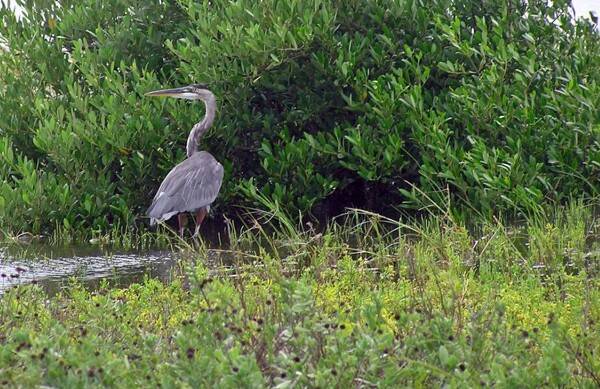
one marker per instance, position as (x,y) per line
(190,92)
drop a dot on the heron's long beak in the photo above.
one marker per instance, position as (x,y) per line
(176,92)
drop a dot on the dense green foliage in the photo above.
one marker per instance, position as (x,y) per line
(423,305)
(323,104)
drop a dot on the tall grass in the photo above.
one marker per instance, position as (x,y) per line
(365,301)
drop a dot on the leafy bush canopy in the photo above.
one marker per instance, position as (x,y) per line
(381,102)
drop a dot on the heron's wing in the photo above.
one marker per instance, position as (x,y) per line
(192,184)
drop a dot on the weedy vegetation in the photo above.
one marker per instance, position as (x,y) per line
(371,302)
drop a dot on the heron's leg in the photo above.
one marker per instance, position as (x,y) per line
(182,221)
(200,215)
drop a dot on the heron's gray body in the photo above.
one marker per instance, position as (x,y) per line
(189,186)
(192,185)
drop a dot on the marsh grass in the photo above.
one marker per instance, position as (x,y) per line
(367,301)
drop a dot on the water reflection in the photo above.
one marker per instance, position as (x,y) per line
(53,267)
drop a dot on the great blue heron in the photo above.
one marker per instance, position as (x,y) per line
(193,184)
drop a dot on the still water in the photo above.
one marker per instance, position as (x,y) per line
(53,267)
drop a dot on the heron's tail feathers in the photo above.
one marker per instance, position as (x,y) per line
(158,213)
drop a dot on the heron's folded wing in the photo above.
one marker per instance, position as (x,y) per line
(193,184)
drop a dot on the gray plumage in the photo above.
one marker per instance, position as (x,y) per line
(192,185)
(189,186)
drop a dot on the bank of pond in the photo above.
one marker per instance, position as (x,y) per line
(364,304)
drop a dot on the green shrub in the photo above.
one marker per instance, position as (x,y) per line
(493,103)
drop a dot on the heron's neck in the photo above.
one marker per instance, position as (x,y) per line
(200,128)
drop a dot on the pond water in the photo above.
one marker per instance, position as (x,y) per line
(53,267)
